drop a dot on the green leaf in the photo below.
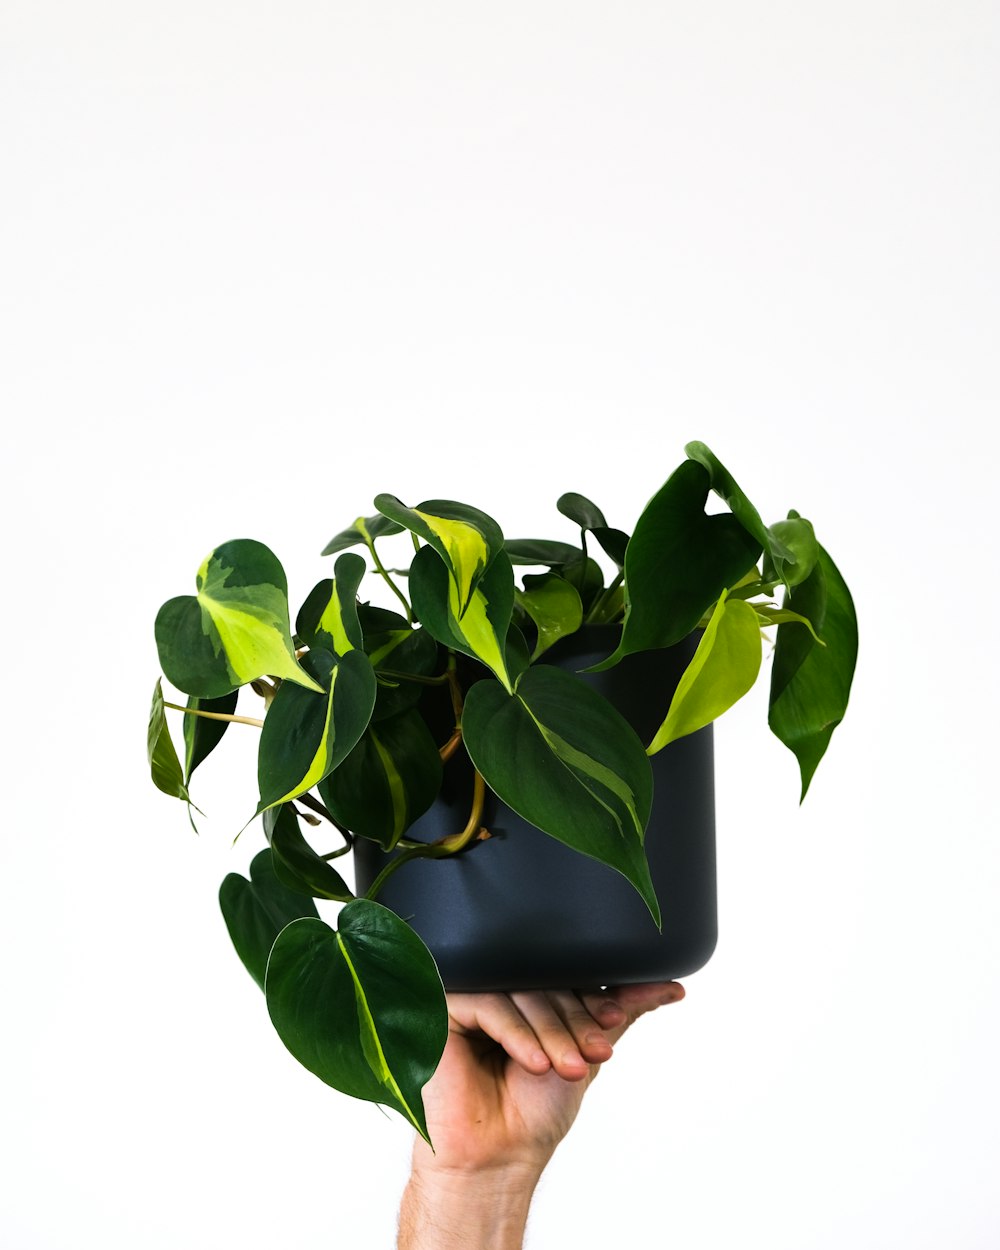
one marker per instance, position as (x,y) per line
(587,576)
(235,630)
(564,759)
(390,778)
(201,735)
(329,616)
(811,684)
(364,530)
(306,735)
(781,557)
(296,863)
(798,537)
(554,606)
(678,563)
(590,519)
(540,551)
(395,647)
(164,765)
(256,911)
(362,1007)
(480,631)
(722,669)
(466,539)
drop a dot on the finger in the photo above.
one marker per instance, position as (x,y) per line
(553,1034)
(496,1017)
(636,1000)
(586,1028)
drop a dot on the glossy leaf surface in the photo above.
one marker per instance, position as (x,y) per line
(590,519)
(306,735)
(811,684)
(466,539)
(798,536)
(678,563)
(543,551)
(390,778)
(296,864)
(256,911)
(561,756)
(329,616)
(723,668)
(395,648)
(554,606)
(235,629)
(362,1006)
(481,631)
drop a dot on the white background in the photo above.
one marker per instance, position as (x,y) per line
(261,261)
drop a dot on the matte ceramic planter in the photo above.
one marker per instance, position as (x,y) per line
(522,911)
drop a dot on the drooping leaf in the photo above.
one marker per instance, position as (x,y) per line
(781,557)
(555,607)
(362,1007)
(306,735)
(563,758)
(235,629)
(256,911)
(723,668)
(590,519)
(364,530)
(811,684)
(329,616)
(466,539)
(296,863)
(678,563)
(201,735)
(480,631)
(390,778)
(164,766)
(542,551)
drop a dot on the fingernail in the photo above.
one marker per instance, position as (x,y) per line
(596,1039)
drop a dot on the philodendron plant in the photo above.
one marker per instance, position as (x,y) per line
(346,747)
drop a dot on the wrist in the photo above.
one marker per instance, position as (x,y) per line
(447,1207)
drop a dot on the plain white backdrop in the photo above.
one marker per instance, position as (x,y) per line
(261,261)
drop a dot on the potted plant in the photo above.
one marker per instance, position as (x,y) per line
(494,706)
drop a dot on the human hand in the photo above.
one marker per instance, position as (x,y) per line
(507,1089)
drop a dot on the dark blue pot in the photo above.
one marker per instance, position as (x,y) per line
(521,910)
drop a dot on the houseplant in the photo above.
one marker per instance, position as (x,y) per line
(346,744)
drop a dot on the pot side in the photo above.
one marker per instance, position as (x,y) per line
(522,911)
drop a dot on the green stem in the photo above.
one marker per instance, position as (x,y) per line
(594,615)
(384,572)
(237,720)
(392,675)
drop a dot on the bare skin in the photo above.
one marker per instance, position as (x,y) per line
(507,1090)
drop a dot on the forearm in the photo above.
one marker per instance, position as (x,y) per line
(466,1211)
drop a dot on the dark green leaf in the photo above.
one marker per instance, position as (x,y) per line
(587,577)
(561,756)
(540,551)
(296,863)
(256,911)
(390,778)
(395,648)
(364,530)
(305,735)
(811,684)
(329,616)
(482,630)
(678,563)
(579,508)
(164,766)
(235,630)
(201,735)
(363,1008)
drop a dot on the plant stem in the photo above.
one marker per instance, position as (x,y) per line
(392,675)
(384,572)
(449,845)
(314,805)
(593,616)
(237,720)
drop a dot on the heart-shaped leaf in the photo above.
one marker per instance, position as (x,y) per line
(256,911)
(479,631)
(466,539)
(364,530)
(562,757)
(678,563)
(329,616)
(723,668)
(362,1007)
(296,863)
(306,735)
(235,629)
(811,684)
(555,607)
(390,778)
